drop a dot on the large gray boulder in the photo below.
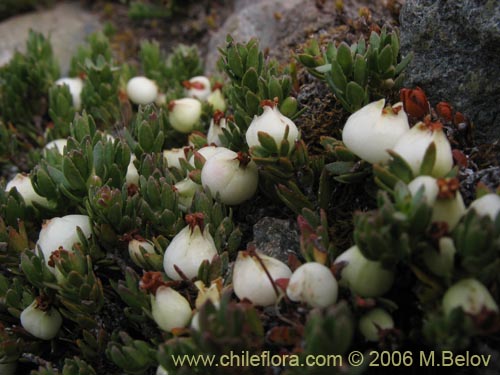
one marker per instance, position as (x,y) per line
(456,46)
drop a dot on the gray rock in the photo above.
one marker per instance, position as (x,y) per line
(456,46)
(67,25)
(276,238)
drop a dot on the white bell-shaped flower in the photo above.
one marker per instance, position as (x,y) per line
(413,145)
(373,129)
(373,322)
(487,205)
(443,196)
(134,250)
(232,176)
(186,189)
(470,295)
(62,232)
(173,156)
(142,90)
(198,87)
(365,277)
(24,187)
(273,123)
(170,309)
(75,86)
(189,248)
(58,144)
(41,321)
(217,123)
(216,99)
(251,281)
(314,284)
(184,114)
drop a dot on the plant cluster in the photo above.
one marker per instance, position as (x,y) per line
(122,247)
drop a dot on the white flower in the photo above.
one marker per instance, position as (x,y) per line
(207,152)
(189,248)
(173,156)
(443,196)
(234,177)
(43,324)
(161,371)
(216,99)
(488,204)
(440,261)
(273,123)
(132,175)
(58,144)
(212,293)
(413,144)
(62,232)
(184,114)
(134,250)
(251,281)
(217,123)
(186,189)
(470,295)
(373,129)
(198,87)
(170,309)
(24,187)
(75,86)
(373,321)
(314,284)
(142,90)
(363,276)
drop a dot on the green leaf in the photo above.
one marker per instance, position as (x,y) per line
(250,80)
(235,63)
(267,142)
(360,70)
(252,103)
(429,160)
(404,63)
(344,58)
(338,77)
(384,60)
(355,95)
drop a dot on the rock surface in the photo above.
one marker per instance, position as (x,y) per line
(456,46)
(67,24)
(276,238)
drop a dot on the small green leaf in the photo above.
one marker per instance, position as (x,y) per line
(429,160)
(344,58)
(267,142)
(355,95)
(384,60)
(360,70)
(250,80)
(338,77)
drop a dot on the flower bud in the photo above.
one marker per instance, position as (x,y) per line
(142,90)
(184,114)
(132,175)
(58,144)
(62,232)
(40,320)
(372,130)
(251,281)
(232,176)
(217,123)
(198,87)
(373,322)
(75,86)
(364,277)
(186,189)
(314,284)
(212,293)
(488,204)
(413,145)
(134,250)
(470,295)
(173,156)
(443,196)
(24,187)
(216,99)
(170,309)
(415,102)
(189,248)
(273,123)
(445,111)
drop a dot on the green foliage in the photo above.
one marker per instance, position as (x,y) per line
(24,86)
(61,112)
(98,45)
(360,73)
(133,356)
